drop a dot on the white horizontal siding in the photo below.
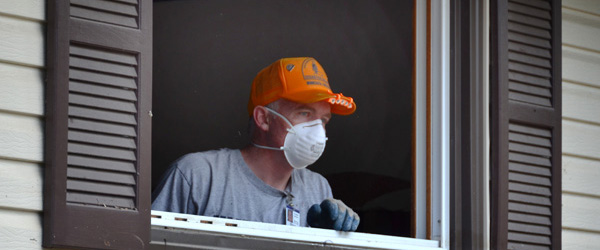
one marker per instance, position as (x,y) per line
(21,137)
(581,103)
(581,212)
(29,9)
(21,185)
(21,89)
(580,29)
(590,6)
(20,230)
(581,66)
(21,41)
(581,124)
(21,122)
(580,176)
(579,240)
(581,139)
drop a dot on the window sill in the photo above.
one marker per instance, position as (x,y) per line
(183,231)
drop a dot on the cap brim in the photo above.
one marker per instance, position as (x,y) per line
(340,105)
(343,110)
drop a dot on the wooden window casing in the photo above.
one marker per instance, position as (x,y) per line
(469,111)
(97,139)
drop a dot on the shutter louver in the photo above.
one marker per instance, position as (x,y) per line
(97,192)
(118,12)
(526,124)
(103,183)
(529,187)
(529,52)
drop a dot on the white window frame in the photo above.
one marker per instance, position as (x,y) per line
(440,163)
(420,206)
(440,121)
(249,229)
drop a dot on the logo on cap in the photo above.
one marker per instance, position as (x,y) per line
(314,74)
(289,67)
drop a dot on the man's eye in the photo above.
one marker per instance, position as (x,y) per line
(304,113)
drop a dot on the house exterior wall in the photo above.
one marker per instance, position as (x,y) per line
(581,124)
(22,25)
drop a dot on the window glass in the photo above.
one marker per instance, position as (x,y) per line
(206,54)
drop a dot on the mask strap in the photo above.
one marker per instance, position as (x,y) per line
(266,147)
(282,117)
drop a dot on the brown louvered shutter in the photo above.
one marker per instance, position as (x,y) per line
(97,139)
(526,124)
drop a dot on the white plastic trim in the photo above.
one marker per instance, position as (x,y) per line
(287,233)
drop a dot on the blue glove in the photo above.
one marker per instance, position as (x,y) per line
(332,214)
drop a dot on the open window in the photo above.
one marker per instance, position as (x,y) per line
(206,54)
(99,113)
(97,137)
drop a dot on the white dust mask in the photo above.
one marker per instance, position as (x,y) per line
(304,142)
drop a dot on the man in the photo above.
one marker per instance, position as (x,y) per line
(267,181)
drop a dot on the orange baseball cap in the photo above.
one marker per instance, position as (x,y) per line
(299,79)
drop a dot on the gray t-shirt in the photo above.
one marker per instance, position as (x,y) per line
(219,183)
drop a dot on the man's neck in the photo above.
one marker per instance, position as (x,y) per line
(268,165)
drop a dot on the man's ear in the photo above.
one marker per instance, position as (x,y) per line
(261,118)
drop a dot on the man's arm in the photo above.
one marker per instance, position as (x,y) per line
(173,192)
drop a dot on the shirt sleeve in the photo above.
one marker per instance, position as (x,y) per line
(326,188)
(173,192)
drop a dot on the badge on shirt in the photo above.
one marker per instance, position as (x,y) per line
(292,216)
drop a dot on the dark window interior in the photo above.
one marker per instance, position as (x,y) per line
(206,54)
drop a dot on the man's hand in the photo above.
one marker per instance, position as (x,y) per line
(332,214)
